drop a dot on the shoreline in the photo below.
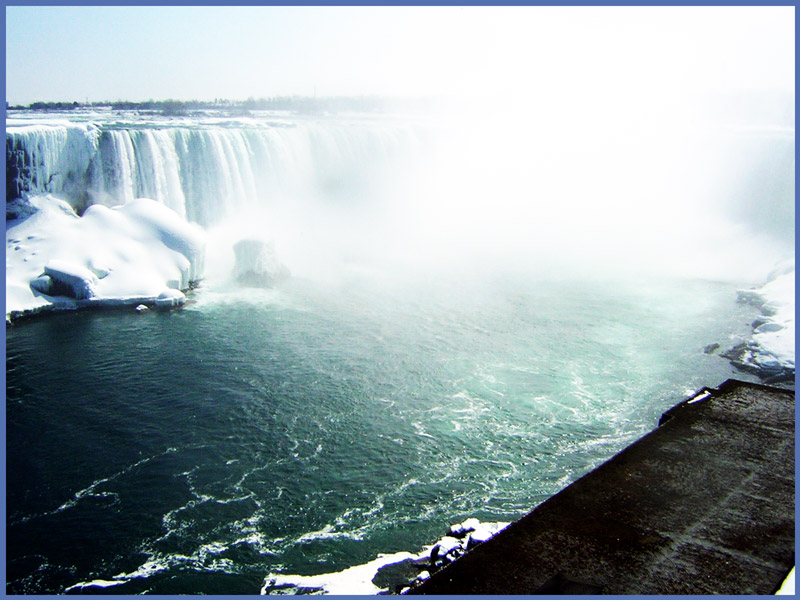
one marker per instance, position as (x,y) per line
(68,305)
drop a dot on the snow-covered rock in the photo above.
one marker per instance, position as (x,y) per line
(473,532)
(170,298)
(19,208)
(257,263)
(483,532)
(128,254)
(769,353)
(461,529)
(70,280)
(447,549)
(355,580)
(392,573)
(174,232)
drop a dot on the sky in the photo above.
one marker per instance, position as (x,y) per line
(57,53)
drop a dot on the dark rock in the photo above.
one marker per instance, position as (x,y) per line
(19,208)
(735,353)
(399,575)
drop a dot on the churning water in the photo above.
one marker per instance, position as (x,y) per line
(308,429)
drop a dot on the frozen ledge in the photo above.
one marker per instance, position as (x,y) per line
(140,252)
(166,300)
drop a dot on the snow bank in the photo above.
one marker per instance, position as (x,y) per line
(356,580)
(67,279)
(770,351)
(138,252)
(787,588)
(388,572)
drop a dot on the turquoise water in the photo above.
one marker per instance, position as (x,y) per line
(307,429)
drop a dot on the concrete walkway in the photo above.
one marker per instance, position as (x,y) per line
(702,505)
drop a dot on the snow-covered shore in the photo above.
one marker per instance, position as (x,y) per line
(388,573)
(140,252)
(769,353)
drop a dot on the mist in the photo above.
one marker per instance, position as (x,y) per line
(611,191)
(575,142)
(562,141)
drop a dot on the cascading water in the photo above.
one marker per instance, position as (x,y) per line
(50,158)
(204,174)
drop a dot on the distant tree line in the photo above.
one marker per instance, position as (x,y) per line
(296,104)
(48,106)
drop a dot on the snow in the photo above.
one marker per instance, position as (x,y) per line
(169,298)
(95,583)
(787,589)
(357,580)
(771,348)
(776,336)
(77,281)
(138,252)
(461,529)
(699,397)
(484,532)
(446,545)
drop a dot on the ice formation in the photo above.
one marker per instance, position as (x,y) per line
(205,174)
(770,351)
(62,278)
(138,252)
(257,263)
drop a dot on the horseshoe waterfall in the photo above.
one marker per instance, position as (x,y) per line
(287,353)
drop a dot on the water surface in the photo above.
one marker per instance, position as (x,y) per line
(308,429)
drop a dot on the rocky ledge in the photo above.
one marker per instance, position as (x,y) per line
(769,353)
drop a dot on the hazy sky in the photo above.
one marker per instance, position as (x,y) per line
(137,53)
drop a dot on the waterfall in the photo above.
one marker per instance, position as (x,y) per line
(205,172)
(43,158)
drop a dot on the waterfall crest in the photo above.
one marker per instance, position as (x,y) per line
(204,173)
